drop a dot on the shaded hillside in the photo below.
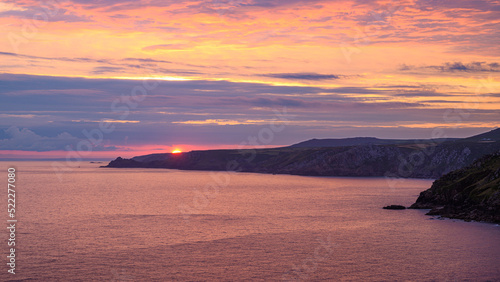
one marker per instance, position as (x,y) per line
(359,141)
(425,159)
(491,136)
(471,193)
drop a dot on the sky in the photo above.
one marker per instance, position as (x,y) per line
(125,78)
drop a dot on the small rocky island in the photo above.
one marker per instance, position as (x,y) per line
(470,193)
(394,207)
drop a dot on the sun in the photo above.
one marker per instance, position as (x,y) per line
(176,151)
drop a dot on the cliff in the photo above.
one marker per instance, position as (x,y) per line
(419,159)
(471,193)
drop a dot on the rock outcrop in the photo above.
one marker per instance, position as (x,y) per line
(394,207)
(471,193)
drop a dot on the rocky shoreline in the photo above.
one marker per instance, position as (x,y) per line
(471,193)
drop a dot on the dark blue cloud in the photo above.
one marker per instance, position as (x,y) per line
(106,69)
(453,67)
(478,5)
(420,93)
(303,76)
(63,59)
(50,14)
(24,139)
(120,65)
(46,107)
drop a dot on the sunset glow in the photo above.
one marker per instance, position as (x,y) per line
(177,151)
(215,73)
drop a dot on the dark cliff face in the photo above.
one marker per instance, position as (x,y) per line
(398,161)
(119,162)
(408,161)
(471,193)
(401,159)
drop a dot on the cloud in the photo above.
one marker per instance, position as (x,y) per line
(312,103)
(86,60)
(144,22)
(470,67)
(26,140)
(166,47)
(63,59)
(54,15)
(477,5)
(120,16)
(420,93)
(147,60)
(276,102)
(43,108)
(303,76)
(106,69)
(454,67)
(125,65)
(219,122)
(96,95)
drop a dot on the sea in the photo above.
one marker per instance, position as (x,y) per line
(86,223)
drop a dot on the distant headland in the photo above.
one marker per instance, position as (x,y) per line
(363,157)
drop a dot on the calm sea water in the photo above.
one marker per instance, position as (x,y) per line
(160,225)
